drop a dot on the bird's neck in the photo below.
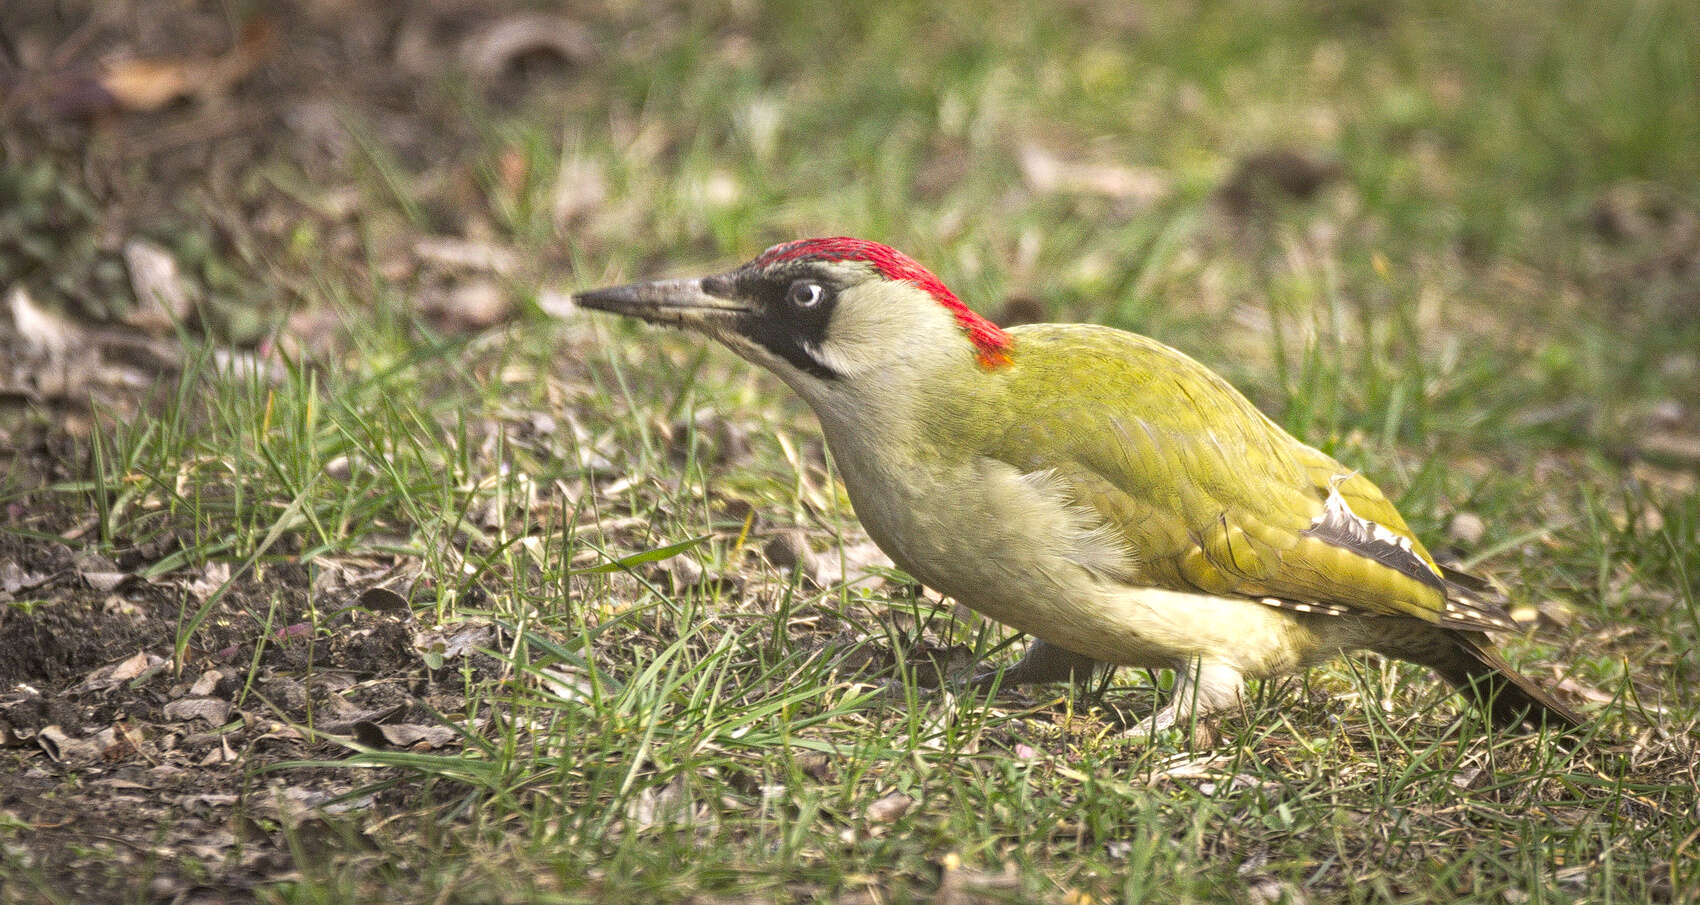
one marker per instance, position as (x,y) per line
(903,445)
(908,418)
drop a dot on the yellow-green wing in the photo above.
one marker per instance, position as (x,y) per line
(1207,493)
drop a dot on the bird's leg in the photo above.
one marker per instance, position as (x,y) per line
(1043,662)
(1201,687)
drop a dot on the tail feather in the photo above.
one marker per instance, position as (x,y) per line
(1514,702)
(1475,584)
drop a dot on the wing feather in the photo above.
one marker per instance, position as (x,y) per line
(1211,495)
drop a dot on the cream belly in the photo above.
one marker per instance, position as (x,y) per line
(1143,626)
(1152,627)
(1009,546)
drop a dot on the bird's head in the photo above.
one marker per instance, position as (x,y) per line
(822,313)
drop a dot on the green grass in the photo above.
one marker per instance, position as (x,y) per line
(1444,316)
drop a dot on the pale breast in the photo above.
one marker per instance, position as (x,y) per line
(1014,547)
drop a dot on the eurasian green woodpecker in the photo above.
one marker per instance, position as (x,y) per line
(1091,487)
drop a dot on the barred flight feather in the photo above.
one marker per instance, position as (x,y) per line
(1339,526)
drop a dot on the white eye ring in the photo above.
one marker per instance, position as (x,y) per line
(805,294)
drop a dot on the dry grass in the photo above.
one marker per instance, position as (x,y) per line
(1454,246)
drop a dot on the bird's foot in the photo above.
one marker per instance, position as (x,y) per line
(1200,690)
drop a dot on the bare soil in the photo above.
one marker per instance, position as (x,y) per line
(125,773)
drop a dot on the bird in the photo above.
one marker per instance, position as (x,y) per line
(1093,488)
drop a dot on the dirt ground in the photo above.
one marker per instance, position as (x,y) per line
(138,782)
(135,780)
(172,791)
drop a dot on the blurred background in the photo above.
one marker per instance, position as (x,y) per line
(1497,197)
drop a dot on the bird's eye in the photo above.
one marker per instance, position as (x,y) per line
(805,294)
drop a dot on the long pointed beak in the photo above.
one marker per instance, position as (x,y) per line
(679,303)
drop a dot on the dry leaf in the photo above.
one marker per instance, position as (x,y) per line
(670,806)
(13,578)
(403,735)
(489,51)
(464,254)
(149,83)
(117,674)
(1571,685)
(1263,889)
(968,886)
(213,576)
(43,331)
(580,186)
(206,684)
(853,564)
(890,808)
(65,749)
(213,710)
(1466,528)
(449,642)
(682,572)
(1048,172)
(163,297)
(1266,890)
(105,581)
(472,305)
(221,753)
(567,683)
(1560,612)
(133,667)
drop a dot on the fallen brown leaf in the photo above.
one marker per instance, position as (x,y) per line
(472,305)
(13,578)
(111,676)
(43,332)
(403,735)
(105,581)
(580,186)
(207,683)
(453,253)
(490,50)
(213,711)
(890,808)
(669,806)
(853,564)
(1048,172)
(968,886)
(451,641)
(1466,528)
(163,297)
(62,747)
(149,83)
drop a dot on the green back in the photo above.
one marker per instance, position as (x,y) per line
(1207,492)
